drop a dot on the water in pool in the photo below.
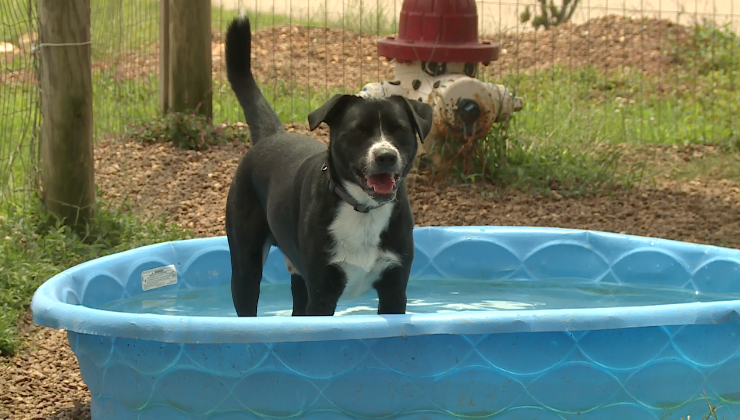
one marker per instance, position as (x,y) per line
(427,296)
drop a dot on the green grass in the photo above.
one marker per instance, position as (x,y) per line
(563,106)
(16,20)
(121,26)
(15,16)
(120,104)
(17,100)
(18,105)
(291,105)
(33,248)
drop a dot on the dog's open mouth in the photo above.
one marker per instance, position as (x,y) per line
(379,184)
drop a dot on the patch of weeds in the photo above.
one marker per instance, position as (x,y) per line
(381,21)
(34,247)
(542,166)
(186,130)
(710,47)
(567,170)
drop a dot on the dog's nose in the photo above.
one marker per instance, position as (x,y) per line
(386,158)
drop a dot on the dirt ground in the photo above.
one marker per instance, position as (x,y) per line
(328,59)
(43,381)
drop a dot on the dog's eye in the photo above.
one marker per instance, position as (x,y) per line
(400,129)
(359,130)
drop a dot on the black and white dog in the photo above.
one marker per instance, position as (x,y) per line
(340,215)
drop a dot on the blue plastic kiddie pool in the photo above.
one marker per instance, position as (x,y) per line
(505,323)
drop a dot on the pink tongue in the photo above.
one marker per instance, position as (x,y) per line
(381,183)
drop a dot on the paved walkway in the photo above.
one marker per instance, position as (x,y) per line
(503,15)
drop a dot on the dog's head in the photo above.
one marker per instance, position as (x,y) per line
(373,142)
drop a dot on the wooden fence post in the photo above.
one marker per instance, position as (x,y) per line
(68,174)
(164,55)
(190,56)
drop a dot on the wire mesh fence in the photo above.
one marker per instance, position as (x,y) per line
(617,72)
(19,100)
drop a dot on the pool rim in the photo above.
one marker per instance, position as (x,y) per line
(48,311)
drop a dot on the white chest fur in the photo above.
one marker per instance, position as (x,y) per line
(356,251)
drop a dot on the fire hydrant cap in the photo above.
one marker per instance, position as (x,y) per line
(438,30)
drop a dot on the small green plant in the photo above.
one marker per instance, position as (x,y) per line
(513,160)
(34,247)
(186,130)
(550,13)
(710,47)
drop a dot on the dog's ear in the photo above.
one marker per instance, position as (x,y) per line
(326,112)
(420,112)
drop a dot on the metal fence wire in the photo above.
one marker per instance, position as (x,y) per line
(19,100)
(617,71)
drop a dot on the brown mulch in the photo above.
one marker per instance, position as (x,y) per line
(607,43)
(44,381)
(325,59)
(191,188)
(317,57)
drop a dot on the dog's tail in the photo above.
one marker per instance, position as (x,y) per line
(262,119)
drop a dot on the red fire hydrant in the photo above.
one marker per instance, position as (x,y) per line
(437,54)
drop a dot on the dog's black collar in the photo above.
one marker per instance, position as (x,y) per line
(344,195)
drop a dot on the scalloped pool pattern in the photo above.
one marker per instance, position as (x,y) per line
(637,373)
(543,365)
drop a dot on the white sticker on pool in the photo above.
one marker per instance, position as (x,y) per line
(158,277)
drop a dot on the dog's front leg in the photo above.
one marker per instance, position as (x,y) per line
(324,289)
(300,294)
(391,290)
